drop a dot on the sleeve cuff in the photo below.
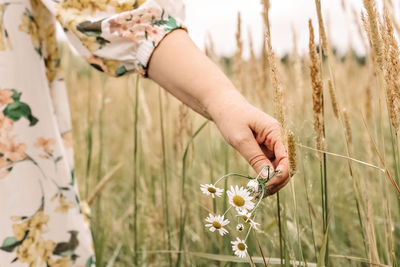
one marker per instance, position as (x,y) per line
(137,33)
(146,50)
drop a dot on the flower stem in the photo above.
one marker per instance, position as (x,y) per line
(233,174)
(226,211)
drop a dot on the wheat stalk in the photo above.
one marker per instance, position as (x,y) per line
(317,87)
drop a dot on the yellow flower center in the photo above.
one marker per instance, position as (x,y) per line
(245,218)
(211,190)
(241,246)
(216,224)
(238,201)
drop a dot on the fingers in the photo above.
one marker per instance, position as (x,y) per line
(261,145)
(248,147)
(281,163)
(278,182)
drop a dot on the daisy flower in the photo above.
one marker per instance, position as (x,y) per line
(254,224)
(239,227)
(217,223)
(239,247)
(240,198)
(253,186)
(246,217)
(210,189)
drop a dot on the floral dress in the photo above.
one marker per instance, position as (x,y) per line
(41,217)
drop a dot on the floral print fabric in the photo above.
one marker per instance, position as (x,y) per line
(42,220)
(118,43)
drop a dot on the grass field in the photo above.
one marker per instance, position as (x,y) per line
(341,208)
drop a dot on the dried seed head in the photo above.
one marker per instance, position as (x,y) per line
(391,70)
(237,59)
(368,102)
(274,73)
(349,135)
(265,13)
(333,99)
(183,128)
(375,40)
(317,87)
(292,153)
(359,27)
(322,32)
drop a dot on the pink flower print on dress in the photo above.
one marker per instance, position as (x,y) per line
(5,97)
(45,144)
(10,153)
(6,126)
(16,151)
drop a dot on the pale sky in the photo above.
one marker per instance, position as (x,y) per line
(218,18)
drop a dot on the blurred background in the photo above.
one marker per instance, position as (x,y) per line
(218,19)
(150,153)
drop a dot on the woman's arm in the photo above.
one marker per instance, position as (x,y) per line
(183,70)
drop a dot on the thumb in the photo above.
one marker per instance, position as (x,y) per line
(246,144)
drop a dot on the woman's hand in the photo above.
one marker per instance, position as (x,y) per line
(254,134)
(183,70)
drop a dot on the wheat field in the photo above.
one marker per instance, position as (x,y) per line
(150,154)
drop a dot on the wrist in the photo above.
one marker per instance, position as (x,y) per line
(218,103)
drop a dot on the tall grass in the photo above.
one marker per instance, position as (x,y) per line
(158,221)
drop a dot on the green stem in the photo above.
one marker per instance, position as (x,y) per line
(182,215)
(233,174)
(226,211)
(134,166)
(165,176)
(280,227)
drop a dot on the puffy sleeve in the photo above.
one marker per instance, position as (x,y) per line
(116,36)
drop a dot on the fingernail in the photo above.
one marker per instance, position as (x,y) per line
(266,171)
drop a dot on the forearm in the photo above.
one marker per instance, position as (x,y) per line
(180,67)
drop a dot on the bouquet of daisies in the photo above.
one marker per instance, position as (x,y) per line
(241,202)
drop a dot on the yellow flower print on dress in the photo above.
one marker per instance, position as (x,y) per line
(47,35)
(31,248)
(101,5)
(72,19)
(28,243)
(2,31)
(64,205)
(19,229)
(4,38)
(29,26)
(86,211)
(63,262)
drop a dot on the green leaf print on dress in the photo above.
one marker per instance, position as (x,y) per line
(93,29)
(15,109)
(9,244)
(170,24)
